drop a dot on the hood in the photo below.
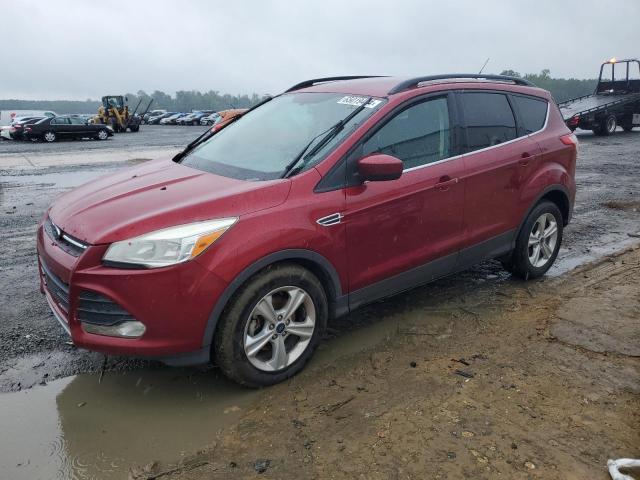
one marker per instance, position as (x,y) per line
(155,195)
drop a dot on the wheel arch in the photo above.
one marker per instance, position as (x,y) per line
(558,194)
(313,261)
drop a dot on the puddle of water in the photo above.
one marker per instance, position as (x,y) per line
(569,260)
(79,428)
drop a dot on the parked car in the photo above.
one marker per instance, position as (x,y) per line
(171,120)
(8,116)
(152,113)
(51,129)
(209,119)
(155,120)
(193,118)
(330,196)
(225,116)
(16,129)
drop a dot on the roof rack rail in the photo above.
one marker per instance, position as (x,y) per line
(314,81)
(414,82)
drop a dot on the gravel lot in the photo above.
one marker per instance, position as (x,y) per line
(606,220)
(148,136)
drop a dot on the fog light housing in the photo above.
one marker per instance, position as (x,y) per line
(129,329)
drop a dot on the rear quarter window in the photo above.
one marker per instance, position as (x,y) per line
(488,120)
(533,113)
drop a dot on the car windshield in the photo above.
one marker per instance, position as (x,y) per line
(260,145)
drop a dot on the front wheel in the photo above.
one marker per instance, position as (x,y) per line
(272,326)
(103,135)
(538,242)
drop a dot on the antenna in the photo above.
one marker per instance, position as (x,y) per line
(485,64)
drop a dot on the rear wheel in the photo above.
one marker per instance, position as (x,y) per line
(627,128)
(538,242)
(49,137)
(607,126)
(272,326)
(134,128)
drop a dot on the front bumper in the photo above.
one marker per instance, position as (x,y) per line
(173,303)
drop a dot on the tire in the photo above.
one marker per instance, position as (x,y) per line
(134,128)
(102,134)
(524,262)
(608,126)
(49,137)
(627,128)
(242,320)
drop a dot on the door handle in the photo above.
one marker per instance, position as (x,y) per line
(524,159)
(445,183)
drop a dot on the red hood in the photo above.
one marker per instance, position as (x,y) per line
(157,195)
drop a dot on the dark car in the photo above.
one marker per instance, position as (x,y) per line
(332,195)
(57,128)
(16,129)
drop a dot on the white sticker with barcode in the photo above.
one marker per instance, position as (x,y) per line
(357,101)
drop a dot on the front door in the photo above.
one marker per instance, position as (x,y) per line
(405,232)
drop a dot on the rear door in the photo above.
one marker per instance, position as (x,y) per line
(404,232)
(494,160)
(79,128)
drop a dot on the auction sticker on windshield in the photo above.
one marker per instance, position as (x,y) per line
(357,101)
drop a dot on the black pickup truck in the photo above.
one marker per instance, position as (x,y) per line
(616,101)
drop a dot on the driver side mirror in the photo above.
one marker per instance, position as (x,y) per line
(379,167)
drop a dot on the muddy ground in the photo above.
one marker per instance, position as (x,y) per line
(550,383)
(538,380)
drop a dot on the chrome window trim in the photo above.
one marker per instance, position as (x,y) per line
(544,127)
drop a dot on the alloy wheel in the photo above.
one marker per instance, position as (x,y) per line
(50,136)
(542,240)
(102,135)
(279,328)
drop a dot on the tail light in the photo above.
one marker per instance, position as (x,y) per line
(570,140)
(574,121)
(28,129)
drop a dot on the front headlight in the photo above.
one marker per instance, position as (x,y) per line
(168,246)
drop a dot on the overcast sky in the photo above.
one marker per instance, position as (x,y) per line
(78,49)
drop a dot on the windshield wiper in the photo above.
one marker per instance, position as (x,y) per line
(208,133)
(328,135)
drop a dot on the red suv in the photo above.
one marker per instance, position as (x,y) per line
(338,192)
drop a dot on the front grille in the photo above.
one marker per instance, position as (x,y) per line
(99,310)
(58,289)
(66,242)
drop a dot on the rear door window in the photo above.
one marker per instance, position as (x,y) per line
(532,113)
(488,120)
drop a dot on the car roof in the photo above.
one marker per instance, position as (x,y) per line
(386,87)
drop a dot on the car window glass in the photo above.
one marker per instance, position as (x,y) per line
(60,121)
(488,118)
(533,113)
(418,135)
(76,121)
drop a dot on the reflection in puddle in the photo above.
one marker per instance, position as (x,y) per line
(79,428)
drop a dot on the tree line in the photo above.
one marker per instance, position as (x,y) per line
(187,100)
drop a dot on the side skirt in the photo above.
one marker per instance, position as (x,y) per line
(441,267)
